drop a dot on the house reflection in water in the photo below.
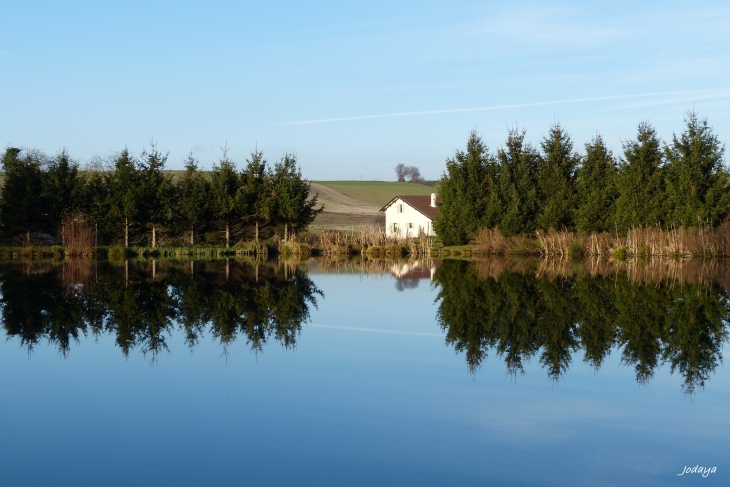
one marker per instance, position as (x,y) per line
(408,273)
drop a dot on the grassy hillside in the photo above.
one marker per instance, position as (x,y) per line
(349,204)
(376,193)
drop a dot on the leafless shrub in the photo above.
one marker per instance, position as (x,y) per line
(77,234)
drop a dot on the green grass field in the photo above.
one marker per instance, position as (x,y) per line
(376,193)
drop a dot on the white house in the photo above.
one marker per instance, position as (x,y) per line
(408,216)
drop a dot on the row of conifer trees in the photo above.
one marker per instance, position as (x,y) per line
(522,189)
(133,200)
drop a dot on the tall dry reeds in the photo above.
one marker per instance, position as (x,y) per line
(334,242)
(370,240)
(676,242)
(491,241)
(639,241)
(77,234)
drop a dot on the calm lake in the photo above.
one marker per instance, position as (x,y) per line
(377,373)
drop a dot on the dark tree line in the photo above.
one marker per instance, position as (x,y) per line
(519,317)
(135,201)
(141,307)
(521,189)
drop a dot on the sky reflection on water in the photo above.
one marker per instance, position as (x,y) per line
(347,405)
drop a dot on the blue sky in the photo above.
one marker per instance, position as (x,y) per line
(94,77)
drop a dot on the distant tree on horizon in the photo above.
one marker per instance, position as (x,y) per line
(410,174)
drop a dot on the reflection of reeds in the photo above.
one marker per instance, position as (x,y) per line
(77,275)
(352,266)
(639,271)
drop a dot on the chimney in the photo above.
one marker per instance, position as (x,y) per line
(433,200)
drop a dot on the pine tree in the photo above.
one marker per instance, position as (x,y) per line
(155,192)
(642,197)
(697,181)
(224,184)
(596,190)
(256,198)
(22,206)
(124,185)
(468,191)
(518,185)
(62,188)
(193,191)
(292,203)
(556,180)
(95,200)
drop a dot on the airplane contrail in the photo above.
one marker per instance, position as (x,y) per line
(717,92)
(375,330)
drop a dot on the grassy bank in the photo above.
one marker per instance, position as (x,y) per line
(639,242)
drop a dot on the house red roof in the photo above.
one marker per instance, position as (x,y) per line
(421,204)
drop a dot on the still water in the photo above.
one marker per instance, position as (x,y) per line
(438,373)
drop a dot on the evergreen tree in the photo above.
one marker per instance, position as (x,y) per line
(22,206)
(293,204)
(155,192)
(224,184)
(556,180)
(96,201)
(123,191)
(468,190)
(518,185)
(596,190)
(697,182)
(256,192)
(63,189)
(642,196)
(193,191)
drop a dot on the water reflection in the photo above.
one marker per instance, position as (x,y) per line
(651,314)
(141,304)
(521,315)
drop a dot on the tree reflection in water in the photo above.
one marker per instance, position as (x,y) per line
(513,313)
(519,316)
(141,304)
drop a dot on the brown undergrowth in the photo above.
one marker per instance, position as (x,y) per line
(371,241)
(638,242)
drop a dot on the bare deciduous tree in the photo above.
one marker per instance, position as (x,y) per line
(410,174)
(400,172)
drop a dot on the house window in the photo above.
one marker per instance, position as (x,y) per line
(395,227)
(410,225)
(400,208)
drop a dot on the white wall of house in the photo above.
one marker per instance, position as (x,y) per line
(402,220)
